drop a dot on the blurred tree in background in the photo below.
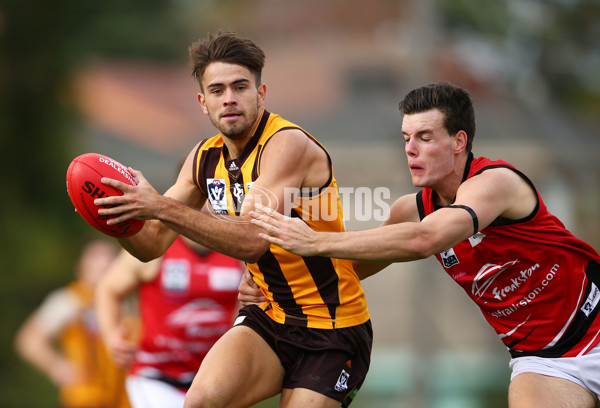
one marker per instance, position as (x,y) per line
(42,43)
(544,50)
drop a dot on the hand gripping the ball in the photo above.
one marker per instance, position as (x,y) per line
(139,201)
(84,187)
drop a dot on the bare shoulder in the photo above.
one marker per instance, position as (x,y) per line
(499,192)
(404,209)
(293,141)
(291,151)
(504,176)
(496,183)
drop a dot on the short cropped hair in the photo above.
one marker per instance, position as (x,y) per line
(226,47)
(454,102)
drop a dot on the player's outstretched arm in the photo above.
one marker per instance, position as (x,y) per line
(391,243)
(404,209)
(490,194)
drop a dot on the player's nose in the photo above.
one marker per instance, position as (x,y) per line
(410,148)
(229,97)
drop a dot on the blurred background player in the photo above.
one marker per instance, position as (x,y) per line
(62,340)
(187,300)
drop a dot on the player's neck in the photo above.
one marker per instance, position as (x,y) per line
(446,191)
(235,147)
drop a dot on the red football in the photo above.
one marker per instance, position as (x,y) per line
(84,186)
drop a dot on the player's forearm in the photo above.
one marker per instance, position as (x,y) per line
(393,243)
(232,236)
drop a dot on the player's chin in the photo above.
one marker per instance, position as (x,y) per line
(418,181)
(233,131)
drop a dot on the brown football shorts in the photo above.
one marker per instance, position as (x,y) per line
(332,362)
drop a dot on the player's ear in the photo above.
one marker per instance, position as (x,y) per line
(202,102)
(262,93)
(460,141)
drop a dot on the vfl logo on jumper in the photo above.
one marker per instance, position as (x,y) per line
(486,276)
(216,195)
(342,382)
(449,258)
(592,300)
(476,239)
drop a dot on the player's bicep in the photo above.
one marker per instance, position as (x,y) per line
(496,193)
(283,167)
(185,189)
(446,227)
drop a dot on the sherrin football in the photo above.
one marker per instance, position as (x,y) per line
(84,186)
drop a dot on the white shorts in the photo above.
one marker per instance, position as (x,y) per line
(146,392)
(582,370)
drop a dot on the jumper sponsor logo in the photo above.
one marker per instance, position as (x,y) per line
(592,300)
(223,278)
(197,312)
(515,283)
(176,275)
(486,276)
(529,297)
